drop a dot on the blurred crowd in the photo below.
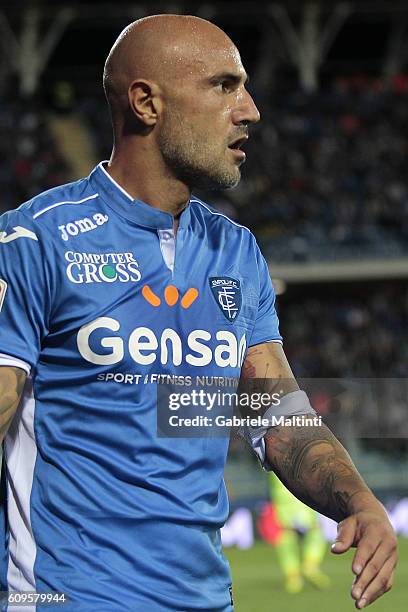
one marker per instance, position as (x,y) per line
(29,158)
(326,174)
(347,331)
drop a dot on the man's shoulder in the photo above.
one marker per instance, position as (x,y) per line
(45,212)
(211,215)
(61,199)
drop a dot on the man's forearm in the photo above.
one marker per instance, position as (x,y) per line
(315,466)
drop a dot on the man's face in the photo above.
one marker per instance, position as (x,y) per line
(205,119)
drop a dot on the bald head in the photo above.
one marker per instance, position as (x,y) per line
(162,49)
(176,89)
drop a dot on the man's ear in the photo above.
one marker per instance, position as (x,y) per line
(145,101)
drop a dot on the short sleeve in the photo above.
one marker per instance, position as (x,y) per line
(24,295)
(266,327)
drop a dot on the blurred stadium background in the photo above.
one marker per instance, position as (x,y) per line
(325,190)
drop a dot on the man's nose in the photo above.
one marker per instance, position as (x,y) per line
(246,111)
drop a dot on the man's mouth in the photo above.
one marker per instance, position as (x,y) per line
(237,143)
(235,147)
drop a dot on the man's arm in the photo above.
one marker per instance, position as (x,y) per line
(12,382)
(316,468)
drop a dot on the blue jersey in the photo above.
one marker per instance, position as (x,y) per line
(97,298)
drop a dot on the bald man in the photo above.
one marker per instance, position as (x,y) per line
(123,280)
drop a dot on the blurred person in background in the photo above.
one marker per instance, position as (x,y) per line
(300,546)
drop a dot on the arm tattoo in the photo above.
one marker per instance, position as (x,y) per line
(313,464)
(266,371)
(12,382)
(310,461)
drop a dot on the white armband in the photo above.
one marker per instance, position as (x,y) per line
(293,404)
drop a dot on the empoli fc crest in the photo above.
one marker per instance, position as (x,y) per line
(227,294)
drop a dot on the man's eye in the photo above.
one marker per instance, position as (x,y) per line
(224,86)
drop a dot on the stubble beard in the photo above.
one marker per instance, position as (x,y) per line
(192,160)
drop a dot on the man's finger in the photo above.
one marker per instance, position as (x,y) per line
(390,583)
(371,570)
(346,532)
(365,550)
(380,585)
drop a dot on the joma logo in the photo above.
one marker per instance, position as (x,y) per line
(82,225)
(19,232)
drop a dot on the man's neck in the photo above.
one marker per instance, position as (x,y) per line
(151,183)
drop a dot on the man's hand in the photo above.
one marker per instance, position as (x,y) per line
(376,555)
(317,469)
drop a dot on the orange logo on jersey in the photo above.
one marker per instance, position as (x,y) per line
(171,296)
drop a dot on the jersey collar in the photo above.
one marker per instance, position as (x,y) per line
(135,210)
